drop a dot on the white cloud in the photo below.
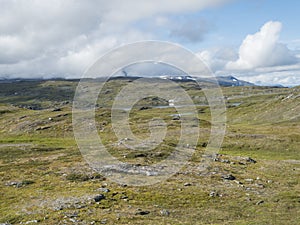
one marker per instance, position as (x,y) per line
(62,37)
(262,49)
(286,78)
(261,59)
(217,58)
(132,10)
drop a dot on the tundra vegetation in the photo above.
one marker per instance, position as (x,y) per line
(254,179)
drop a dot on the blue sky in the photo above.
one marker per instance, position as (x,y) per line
(254,40)
(233,21)
(239,18)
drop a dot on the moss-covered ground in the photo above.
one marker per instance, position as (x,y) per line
(45,179)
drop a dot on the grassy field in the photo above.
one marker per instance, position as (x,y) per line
(253,180)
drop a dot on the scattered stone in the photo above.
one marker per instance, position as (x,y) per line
(104,221)
(62,115)
(19,184)
(140,155)
(225,161)
(71,215)
(79,206)
(249,180)
(260,185)
(164,212)
(104,190)
(260,202)
(176,117)
(31,221)
(142,213)
(228,177)
(250,160)
(213,194)
(187,184)
(58,208)
(43,128)
(12,183)
(73,220)
(144,108)
(98,198)
(238,182)
(115,193)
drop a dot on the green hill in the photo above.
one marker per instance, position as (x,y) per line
(253,180)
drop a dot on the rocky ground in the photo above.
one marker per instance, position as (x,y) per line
(253,179)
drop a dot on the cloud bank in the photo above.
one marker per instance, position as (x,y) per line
(261,58)
(262,49)
(62,38)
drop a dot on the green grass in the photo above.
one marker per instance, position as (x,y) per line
(44,177)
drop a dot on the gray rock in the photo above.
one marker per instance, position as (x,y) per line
(142,213)
(213,194)
(176,117)
(260,202)
(249,180)
(238,182)
(260,185)
(104,190)
(228,177)
(73,220)
(56,110)
(144,108)
(164,212)
(98,198)
(250,160)
(79,206)
(13,183)
(57,208)
(104,221)
(31,221)
(225,161)
(71,215)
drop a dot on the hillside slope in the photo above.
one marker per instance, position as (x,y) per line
(44,178)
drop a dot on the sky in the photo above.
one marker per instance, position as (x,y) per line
(253,40)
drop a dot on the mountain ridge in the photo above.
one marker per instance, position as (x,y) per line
(224,81)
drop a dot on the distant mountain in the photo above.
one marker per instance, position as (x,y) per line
(178,78)
(226,81)
(232,81)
